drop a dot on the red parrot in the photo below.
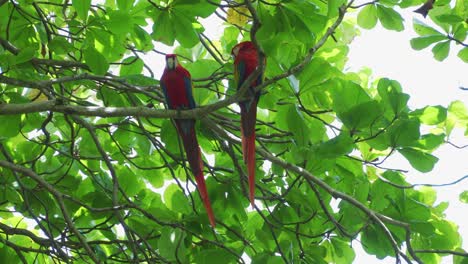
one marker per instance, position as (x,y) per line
(176,83)
(245,62)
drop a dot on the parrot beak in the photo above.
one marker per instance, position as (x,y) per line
(235,51)
(171,62)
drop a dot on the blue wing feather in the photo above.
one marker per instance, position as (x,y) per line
(164,88)
(189,92)
(240,68)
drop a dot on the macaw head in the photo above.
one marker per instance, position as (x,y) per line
(171,61)
(243,47)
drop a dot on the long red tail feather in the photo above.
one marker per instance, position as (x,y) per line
(250,142)
(248,120)
(204,196)
(196,165)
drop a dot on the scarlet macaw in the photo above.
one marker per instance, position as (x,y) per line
(245,62)
(176,83)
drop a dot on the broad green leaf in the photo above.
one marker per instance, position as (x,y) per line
(131,65)
(196,8)
(298,126)
(367,17)
(463,54)
(24,55)
(140,80)
(213,256)
(169,136)
(10,127)
(163,28)
(460,32)
(186,34)
(423,162)
(415,211)
(120,22)
(96,61)
(464,197)
(389,18)
(82,8)
(333,7)
(404,132)
(457,259)
(375,242)
(430,142)
(336,147)
(425,41)
(171,244)
(354,119)
(441,50)
(346,95)
(125,4)
(424,30)
(391,94)
(431,115)
(446,18)
(342,251)
(141,38)
(176,200)
(129,181)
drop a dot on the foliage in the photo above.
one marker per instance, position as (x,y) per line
(92,170)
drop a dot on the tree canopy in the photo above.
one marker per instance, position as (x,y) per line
(92,169)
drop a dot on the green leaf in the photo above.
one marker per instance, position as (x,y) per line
(196,8)
(460,259)
(11,126)
(338,146)
(423,162)
(163,29)
(425,41)
(140,80)
(125,4)
(447,18)
(333,7)
(404,132)
(430,142)
(367,17)
(431,115)
(213,256)
(464,197)
(441,50)
(375,242)
(342,251)
(131,65)
(424,30)
(463,54)
(354,119)
(389,18)
(24,55)
(390,92)
(82,8)
(171,244)
(186,34)
(169,135)
(96,61)
(415,211)
(176,200)
(298,126)
(120,22)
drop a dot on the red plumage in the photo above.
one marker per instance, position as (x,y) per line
(177,87)
(245,63)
